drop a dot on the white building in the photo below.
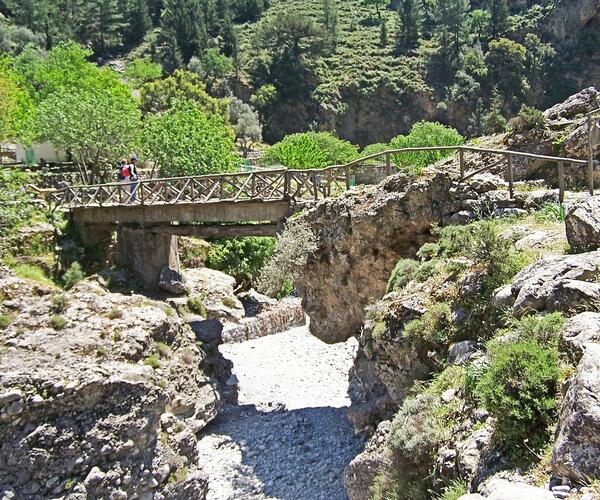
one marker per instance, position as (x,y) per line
(47,151)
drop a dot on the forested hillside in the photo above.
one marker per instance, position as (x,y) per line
(367,69)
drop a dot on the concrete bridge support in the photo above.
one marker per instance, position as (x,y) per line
(145,253)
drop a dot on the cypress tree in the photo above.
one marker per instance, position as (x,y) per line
(138,17)
(183,22)
(409,24)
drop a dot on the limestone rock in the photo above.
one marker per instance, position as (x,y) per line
(497,488)
(579,331)
(82,404)
(547,285)
(361,472)
(583,224)
(361,237)
(576,454)
(171,281)
(460,352)
(582,102)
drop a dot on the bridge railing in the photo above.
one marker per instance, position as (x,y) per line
(278,184)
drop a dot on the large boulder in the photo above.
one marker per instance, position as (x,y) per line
(556,283)
(583,224)
(578,332)
(576,454)
(101,395)
(498,488)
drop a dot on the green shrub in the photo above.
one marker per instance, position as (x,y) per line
(379,329)
(435,326)
(115,313)
(371,149)
(286,290)
(519,389)
(58,322)
(543,329)
(16,207)
(140,71)
(153,361)
(59,303)
(229,302)
(424,134)
(425,270)
(196,306)
(292,249)
(240,256)
(528,119)
(310,150)
(5,321)
(402,274)
(428,251)
(73,275)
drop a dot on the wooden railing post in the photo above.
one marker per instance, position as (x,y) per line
(561,182)
(388,164)
(314,181)
(253,185)
(347,174)
(590,168)
(461,160)
(510,175)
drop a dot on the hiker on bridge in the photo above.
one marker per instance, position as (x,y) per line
(128,175)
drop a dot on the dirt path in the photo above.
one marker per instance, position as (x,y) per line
(289,438)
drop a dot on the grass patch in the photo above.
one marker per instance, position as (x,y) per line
(196,306)
(179,475)
(33,273)
(5,321)
(229,302)
(58,322)
(453,491)
(115,313)
(59,303)
(163,349)
(153,361)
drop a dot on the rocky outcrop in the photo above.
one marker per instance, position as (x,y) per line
(576,453)
(583,224)
(101,395)
(499,488)
(558,283)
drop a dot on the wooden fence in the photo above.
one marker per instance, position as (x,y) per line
(278,184)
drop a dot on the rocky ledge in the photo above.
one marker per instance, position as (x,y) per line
(101,395)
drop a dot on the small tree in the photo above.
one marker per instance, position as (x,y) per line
(378,4)
(246,124)
(140,71)
(95,126)
(185,140)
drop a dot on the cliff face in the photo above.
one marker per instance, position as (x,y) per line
(362,236)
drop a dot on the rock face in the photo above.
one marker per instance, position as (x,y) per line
(362,237)
(576,453)
(100,396)
(583,224)
(553,284)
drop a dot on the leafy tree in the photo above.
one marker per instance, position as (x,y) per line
(506,62)
(424,134)
(185,140)
(95,126)
(140,71)
(246,124)
(159,95)
(409,24)
(310,150)
(498,17)
(216,65)
(15,105)
(378,4)
(539,57)
(479,21)
(249,10)
(265,96)
(291,34)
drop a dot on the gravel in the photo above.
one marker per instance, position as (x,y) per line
(289,437)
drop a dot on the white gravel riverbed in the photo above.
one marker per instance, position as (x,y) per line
(289,437)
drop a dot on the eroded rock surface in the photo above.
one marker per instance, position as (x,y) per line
(583,224)
(101,395)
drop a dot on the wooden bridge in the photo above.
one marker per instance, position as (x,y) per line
(243,203)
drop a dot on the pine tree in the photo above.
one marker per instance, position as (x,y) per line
(229,36)
(103,25)
(183,22)
(409,24)
(138,18)
(498,17)
(452,18)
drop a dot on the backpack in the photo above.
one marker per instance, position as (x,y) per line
(124,171)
